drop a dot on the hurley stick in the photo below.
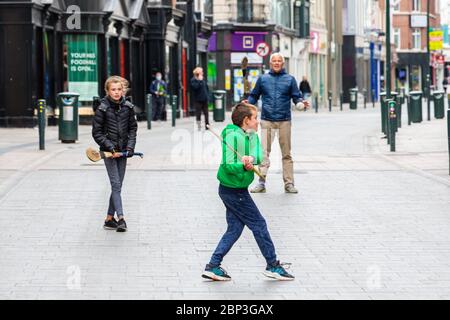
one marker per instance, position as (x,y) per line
(255,170)
(95,155)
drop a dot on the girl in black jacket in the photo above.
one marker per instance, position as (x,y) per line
(114,129)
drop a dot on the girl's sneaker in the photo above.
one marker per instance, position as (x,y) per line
(121,226)
(215,273)
(278,272)
(110,224)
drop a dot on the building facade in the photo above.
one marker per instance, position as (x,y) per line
(246,32)
(354,59)
(410,38)
(334,25)
(318,51)
(74,45)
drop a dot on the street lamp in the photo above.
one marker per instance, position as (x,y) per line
(388,49)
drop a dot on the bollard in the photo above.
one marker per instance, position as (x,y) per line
(330,97)
(42,106)
(148,111)
(373,98)
(174,109)
(448,136)
(316,101)
(392,124)
(341,96)
(365,98)
(408,110)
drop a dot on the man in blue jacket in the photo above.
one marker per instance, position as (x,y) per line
(277,89)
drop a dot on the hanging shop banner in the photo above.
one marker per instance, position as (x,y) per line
(436,40)
(82,60)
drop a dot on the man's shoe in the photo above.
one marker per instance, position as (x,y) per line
(278,272)
(110,224)
(121,226)
(260,188)
(215,273)
(290,188)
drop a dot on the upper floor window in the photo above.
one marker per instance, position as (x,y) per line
(416,5)
(396,6)
(397,39)
(417,40)
(245,10)
(281,12)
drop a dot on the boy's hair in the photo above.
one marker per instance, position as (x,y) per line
(115,79)
(241,111)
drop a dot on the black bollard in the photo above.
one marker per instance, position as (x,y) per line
(373,98)
(42,106)
(330,98)
(148,111)
(392,123)
(365,98)
(316,102)
(448,134)
(174,109)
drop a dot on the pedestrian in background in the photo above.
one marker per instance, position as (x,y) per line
(158,89)
(200,97)
(277,88)
(114,129)
(305,88)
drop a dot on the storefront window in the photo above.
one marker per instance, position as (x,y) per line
(416,78)
(82,65)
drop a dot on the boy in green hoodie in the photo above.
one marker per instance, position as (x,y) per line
(235,175)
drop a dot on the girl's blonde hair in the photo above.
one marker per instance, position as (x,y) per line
(116,79)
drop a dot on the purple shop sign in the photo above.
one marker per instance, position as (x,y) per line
(240,41)
(212,43)
(246,41)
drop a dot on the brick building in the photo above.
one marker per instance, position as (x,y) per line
(409,21)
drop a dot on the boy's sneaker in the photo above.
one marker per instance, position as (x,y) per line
(260,188)
(215,274)
(278,272)
(110,224)
(121,226)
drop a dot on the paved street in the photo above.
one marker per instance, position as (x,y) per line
(367,223)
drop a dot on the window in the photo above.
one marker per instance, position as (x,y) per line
(416,5)
(245,10)
(281,12)
(396,6)
(417,41)
(301,18)
(397,39)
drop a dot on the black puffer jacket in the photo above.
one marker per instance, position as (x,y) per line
(114,126)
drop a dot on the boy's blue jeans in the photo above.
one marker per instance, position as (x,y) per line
(242,211)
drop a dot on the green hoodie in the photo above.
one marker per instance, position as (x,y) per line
(231,172)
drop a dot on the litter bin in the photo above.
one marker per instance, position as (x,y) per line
(416,106)
(219,105)
(354,98)
(438,98)
(68,116)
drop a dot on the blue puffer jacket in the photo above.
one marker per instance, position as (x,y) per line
(277,90)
